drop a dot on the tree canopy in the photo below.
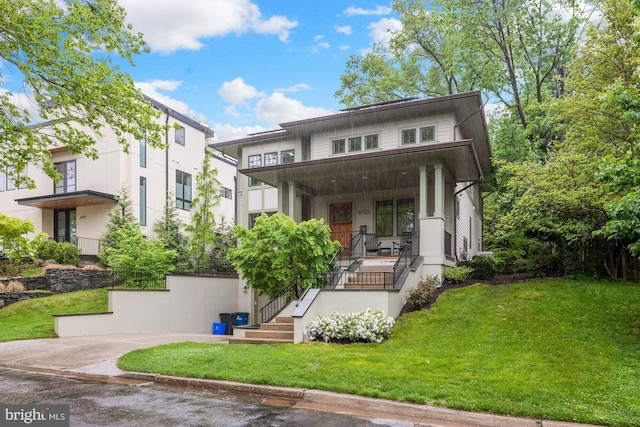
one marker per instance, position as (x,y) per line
(61,55)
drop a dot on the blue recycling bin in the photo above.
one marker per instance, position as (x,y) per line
(219,328)
(241,319)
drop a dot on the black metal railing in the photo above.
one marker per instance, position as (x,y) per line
(86,245)
(275,306)
(138,278)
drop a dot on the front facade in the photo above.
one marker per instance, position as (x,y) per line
(401,171)
(76,207)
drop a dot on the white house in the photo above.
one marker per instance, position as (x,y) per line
(76,207)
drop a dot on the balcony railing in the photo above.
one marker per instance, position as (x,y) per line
(87,246)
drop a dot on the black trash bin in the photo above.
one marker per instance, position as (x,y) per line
(227,319)
(241,319)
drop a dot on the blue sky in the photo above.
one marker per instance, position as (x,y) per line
(244,66)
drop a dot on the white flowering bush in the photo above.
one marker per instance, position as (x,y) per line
(365,326)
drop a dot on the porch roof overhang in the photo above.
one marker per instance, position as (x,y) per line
(68,200)
(379,170)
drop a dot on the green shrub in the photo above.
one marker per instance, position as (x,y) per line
(421,295)
(520,266)
(46,249)
(484,267)
(548,266)
(67,253)
(456,274)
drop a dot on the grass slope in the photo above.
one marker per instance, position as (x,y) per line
(552,349)
(34,318)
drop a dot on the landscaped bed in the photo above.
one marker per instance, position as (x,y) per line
(553,349)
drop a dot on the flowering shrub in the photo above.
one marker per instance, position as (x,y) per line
(365,326)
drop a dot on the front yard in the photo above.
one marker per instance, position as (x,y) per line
(553,349)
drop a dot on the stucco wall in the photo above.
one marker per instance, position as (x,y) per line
(189,305)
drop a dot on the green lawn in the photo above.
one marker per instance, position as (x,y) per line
(553,349)
(34,318)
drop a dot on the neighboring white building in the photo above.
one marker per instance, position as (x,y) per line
(76,207)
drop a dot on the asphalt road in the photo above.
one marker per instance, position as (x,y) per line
(146,404)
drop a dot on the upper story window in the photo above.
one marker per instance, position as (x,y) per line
(143,153)
(183,190)
(338,146)
(371,142)
(409,136)
(427,134)
(355,143)
(9,181)
(271,158)
(180,135)
(255,160)
(226,193)
(287,156)
(67,183)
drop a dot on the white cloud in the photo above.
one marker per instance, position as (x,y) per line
(169,25)
(152,89)
(381,30)
(295,88)
(346,29)
(237,91)
(227,132)
(318,38)
(319,46)
(379,10)
(279,109)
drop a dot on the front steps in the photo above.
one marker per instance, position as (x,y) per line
(278,332)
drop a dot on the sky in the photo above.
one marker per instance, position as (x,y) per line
(244,66)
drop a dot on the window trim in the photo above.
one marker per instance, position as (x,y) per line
(143,201)
(384,203)
(183,202)
(408,132)
(354,141)
(273,160)
(428,127)
(143,153)
(366,141)
(252,158)
(291,152)
(340,143)
(65,178)
(180,136)
(226,193)
(413,225)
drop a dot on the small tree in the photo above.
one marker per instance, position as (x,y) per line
(225,241)
(119,217)
(277,253)
(202,227)
(169,231)
(12,239)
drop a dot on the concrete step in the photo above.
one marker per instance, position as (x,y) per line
(284,319)
(276,327)
(260,333)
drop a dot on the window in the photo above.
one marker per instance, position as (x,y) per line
(180,135)
(254,216)
(428,134)
(384,218)
(355,143)
(226,192)
(406,214)
(10,182)
(183,190)
(3,177)
(253,182)
(67,183)
(143,153)
(271,159)
(143,201)
(409,136)
(288,156)
(337,146)
(371,142)
(255,161)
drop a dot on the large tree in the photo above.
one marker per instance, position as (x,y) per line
(61,53)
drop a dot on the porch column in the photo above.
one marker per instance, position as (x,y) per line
(432,227)
(283,197)
(422,211)
(292,200)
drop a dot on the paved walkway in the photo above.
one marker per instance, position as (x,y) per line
(96,356)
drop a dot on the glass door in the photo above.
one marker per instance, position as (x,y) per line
(65,226)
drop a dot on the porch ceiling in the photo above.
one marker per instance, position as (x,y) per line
(380,170)
(68,200)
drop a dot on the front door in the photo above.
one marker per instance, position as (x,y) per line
(64,228)
(340,223)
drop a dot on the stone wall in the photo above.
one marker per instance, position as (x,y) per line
(56,281)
